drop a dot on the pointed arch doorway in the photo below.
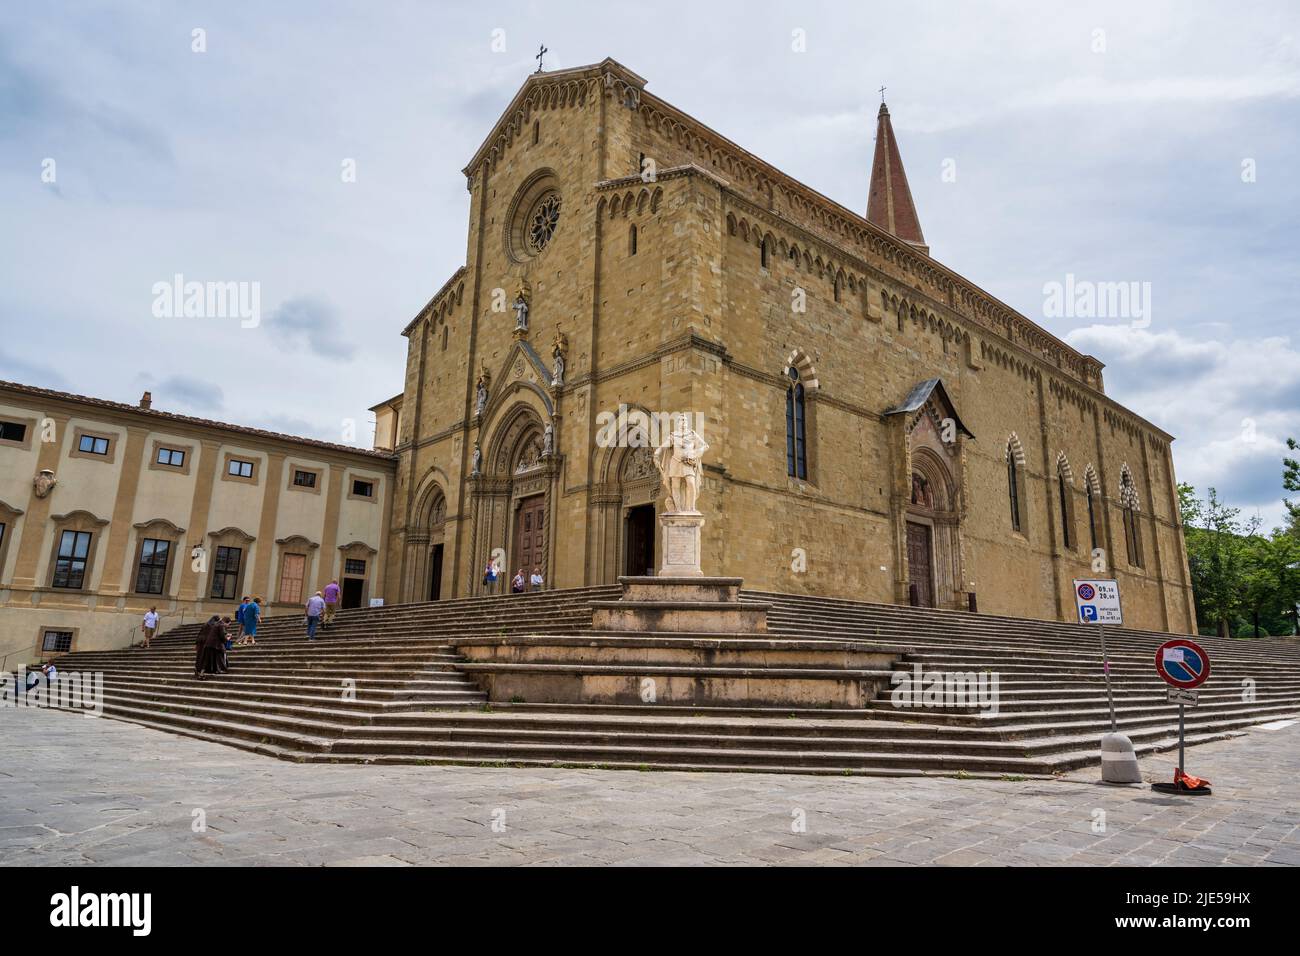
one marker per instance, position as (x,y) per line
(927,438)
(437,549)
(425,545)
(529,549)
(513,500)
(920,564)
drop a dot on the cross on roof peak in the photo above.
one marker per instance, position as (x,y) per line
(541,52)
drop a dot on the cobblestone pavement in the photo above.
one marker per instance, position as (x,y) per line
(84,791)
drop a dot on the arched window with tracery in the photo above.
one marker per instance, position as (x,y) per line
(796,439)
(1014,489)
(1132,527)
(1067,510)
(1094,517)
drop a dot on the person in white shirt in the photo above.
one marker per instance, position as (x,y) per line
(536,579)
(315,609)
(149,625)
(50,673)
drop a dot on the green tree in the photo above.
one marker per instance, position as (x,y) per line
(1291,482)
(1218,556)
(1272,582)
(1260,598)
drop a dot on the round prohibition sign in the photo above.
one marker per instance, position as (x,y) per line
(1190,671)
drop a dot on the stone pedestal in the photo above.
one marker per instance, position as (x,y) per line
(681,544)
(690,604)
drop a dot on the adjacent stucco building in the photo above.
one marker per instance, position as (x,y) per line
(107,509)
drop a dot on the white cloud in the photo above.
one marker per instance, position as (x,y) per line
(225,166)
(1230,405)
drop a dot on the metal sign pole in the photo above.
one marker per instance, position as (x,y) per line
(1105,666)
(1182,763)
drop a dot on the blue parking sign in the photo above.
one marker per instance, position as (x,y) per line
(1098,601)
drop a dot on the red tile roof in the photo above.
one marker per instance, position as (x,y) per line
(160,416)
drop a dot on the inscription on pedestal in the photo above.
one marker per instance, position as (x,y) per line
(682,546)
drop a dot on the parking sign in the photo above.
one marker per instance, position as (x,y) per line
(1098,601)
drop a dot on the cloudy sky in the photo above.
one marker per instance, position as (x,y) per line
(1154,143)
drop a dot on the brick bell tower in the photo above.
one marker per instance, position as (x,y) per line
(889,201)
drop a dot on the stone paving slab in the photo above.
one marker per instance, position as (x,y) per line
(78,791)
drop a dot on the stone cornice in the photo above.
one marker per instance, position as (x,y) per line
(680,344)
(442,433)
(840,223)
(160,524)
(673,172)
(434,302)
(1046,347)
(80,514)
(559,88)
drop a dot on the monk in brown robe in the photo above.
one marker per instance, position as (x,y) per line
(210,648)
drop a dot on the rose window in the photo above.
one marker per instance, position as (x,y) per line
(542,222)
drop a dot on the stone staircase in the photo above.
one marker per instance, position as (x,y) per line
(405,684)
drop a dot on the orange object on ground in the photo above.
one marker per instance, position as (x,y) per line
(1188,782)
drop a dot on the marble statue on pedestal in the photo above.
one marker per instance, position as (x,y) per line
(678,461)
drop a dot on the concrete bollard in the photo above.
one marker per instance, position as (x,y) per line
(1118,761)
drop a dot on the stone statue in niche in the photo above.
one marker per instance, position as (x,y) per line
(521,310)
(44,483)
(921,492)
(476,463)
(481,391)
(548,441)
(558,350)
(678,461)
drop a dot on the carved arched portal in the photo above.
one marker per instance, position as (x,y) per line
(513,500)
(427,542)
(928,438)
(625,505)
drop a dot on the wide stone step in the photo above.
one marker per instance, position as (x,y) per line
(724,703)
(383,685)
(245,695)
(1089,720)
(861,615)
(302,707)
(939,638)
(817,626)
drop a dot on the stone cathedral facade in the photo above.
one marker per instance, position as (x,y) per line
(879,427)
